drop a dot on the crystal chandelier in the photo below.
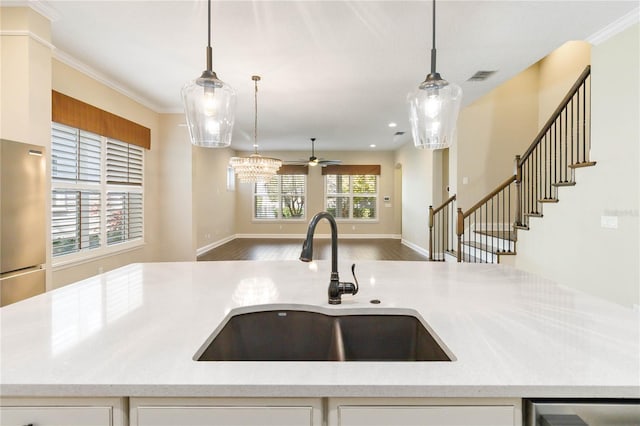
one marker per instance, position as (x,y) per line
(434,106)
(255,168)
(209,105)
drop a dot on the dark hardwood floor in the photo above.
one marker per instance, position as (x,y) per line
(289,249)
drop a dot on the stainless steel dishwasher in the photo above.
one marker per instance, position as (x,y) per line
(582,412)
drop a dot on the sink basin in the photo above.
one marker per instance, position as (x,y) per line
(305,335)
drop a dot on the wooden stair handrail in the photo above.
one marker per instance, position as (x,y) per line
(443,205)
(579,82)
(500,187)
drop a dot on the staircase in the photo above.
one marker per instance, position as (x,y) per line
(488,230)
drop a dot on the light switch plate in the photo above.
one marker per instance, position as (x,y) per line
(610,222)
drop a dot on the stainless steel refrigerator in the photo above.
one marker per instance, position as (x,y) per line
(22,221)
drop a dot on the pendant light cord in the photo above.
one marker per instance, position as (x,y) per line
(209,50)
(433,37)
(255,79)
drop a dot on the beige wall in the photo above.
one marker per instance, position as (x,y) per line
(72,82)
(386,225)
(417,193)
(556,74)
(175,203)
(491,132)
(26,76)
(569,245)
(213,205)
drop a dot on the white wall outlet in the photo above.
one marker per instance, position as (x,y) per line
(610,222)
(100,269)
(465,180)
(353,227)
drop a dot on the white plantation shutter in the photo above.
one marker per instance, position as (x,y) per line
(124,163)
(352,196)
(292,194)
(75,154)
(266,199)
(97,195)
(75,221)
(282,198)
(124,217)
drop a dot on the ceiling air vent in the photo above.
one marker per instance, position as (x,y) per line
(482,75)
(398,134)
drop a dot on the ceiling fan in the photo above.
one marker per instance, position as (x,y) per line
(313,160)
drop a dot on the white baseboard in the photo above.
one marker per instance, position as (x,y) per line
(415,247)
(203,250)
(303,236)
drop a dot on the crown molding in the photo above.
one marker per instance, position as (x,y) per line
(101,78)
(31,35)
(44,8)
(617,26)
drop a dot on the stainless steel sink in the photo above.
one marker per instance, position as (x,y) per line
(303,335)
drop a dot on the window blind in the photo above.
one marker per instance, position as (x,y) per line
(124,163)
(352,196)
(266,199)
(124,217)
(292,196)
(75,154)
(97,195)
(282,198)
(75,221)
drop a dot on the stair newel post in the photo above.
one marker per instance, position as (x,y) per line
(518,173)
(431,233)
(459,232)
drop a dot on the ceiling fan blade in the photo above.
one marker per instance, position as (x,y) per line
(329,162)
(296,162)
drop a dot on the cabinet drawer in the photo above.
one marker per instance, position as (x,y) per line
(224,416)
(426,415)
(56,416)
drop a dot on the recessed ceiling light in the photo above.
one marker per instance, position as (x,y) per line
(392,124)
(373,145)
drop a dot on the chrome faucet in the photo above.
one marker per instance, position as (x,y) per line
(336,288)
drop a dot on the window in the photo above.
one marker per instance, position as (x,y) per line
(96,201)
(352,196)
(282,198)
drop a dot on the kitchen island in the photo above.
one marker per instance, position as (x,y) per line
(133,332)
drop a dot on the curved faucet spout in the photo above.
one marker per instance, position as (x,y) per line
(307,247)
(336,288)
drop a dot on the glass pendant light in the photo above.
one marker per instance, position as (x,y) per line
(255,168)
(209,105)
(434,106)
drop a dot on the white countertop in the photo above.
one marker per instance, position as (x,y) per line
(133,332)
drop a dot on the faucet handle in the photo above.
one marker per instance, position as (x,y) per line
(353,272)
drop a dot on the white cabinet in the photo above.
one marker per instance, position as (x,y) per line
(424,412)
(225,412)
(62,412)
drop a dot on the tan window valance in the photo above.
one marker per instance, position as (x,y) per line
(290,169)
(354,169)
(75,113)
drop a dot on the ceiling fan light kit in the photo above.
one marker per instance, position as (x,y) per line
(255,168)
(209,105)
(313,160)
(434,106)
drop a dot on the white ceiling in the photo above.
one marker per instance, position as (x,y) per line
(335,70)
